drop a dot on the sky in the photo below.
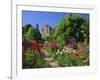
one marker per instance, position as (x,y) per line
(43,18)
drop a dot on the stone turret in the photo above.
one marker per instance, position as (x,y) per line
(46,30)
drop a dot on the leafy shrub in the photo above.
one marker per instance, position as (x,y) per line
(65,60)
(34,60)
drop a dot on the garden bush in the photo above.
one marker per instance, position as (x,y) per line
(34,60)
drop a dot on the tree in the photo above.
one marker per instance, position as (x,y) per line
(27,31)
(37,34)
(72,26)
(29,34)
(26,27)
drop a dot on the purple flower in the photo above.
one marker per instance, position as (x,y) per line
(72,42)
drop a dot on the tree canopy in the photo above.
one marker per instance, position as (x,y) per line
(72,26)
(31,33)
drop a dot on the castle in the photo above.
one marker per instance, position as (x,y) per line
(46,30)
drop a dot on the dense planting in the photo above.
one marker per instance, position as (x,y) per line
(67,45)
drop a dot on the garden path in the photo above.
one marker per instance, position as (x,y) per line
(50,60)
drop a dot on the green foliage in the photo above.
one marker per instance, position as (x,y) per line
(46,38)
(25,29)
(60,38)
(36,34)
(65,60)
(72,26)
(29,34)
(34,60)
(30,59)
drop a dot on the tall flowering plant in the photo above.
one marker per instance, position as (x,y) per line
(72,42)
(37,46)
(34,43)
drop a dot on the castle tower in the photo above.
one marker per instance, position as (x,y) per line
(46,30)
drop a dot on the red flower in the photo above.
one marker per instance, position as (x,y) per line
(40,46)
(34,42)
(53,44)
(37,46)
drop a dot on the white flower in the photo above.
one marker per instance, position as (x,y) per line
(67,48)
(58,51)
(61,52)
